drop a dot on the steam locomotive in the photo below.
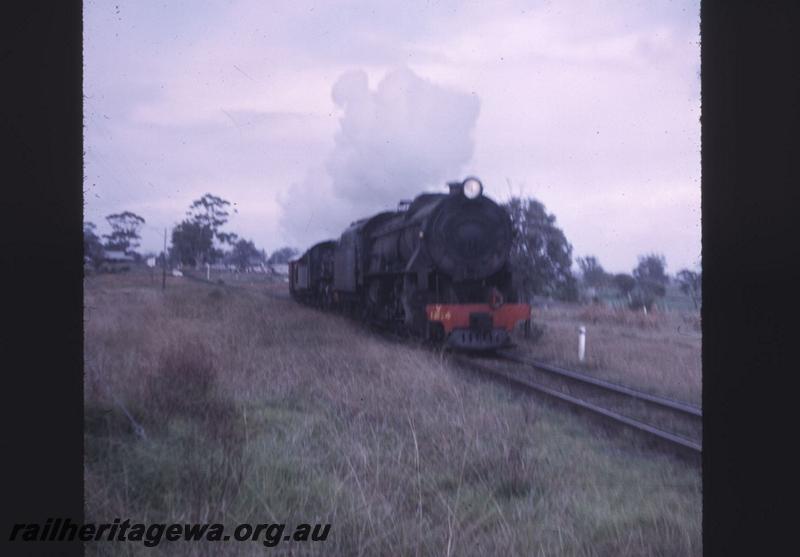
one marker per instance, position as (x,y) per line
(437,267)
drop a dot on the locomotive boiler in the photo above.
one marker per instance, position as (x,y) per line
(437,266)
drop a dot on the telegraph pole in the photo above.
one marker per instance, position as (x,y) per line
(164,265)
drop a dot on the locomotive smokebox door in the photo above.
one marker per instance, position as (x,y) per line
(481,322)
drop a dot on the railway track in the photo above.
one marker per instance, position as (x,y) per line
(670,421)
(663,402)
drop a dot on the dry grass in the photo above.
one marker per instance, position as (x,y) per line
(658,352)
(256,409)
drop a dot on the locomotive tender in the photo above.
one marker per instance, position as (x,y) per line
(437,267)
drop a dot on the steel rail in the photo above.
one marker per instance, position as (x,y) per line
(608,385)
(636,424)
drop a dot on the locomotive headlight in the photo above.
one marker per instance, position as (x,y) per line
(472,188)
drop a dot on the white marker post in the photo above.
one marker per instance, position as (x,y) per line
(208,272)
(581,343)
(151,262)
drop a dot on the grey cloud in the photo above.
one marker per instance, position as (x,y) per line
(405,136)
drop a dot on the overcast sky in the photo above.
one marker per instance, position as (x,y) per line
(309,115)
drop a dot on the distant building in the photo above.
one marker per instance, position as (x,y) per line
(255,264)
(115,261)
(113,256)
(279,269)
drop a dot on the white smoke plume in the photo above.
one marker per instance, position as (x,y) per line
(406,136)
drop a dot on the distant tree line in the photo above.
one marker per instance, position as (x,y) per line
(540,253)
(124,237)
(645,285)
(198,239)
(542,259)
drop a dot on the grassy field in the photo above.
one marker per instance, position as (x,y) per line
(659,352)
(254,409)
